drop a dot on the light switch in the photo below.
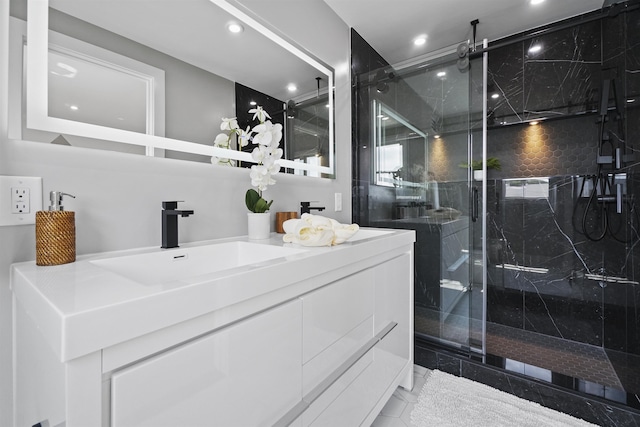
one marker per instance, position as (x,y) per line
(338,202)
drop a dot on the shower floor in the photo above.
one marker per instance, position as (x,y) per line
(579,366)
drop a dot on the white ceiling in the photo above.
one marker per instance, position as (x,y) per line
(390,26)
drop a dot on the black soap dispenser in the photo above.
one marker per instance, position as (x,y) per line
(55,233)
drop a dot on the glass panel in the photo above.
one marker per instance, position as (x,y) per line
(412,157)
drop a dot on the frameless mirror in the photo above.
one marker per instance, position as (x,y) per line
(157,77)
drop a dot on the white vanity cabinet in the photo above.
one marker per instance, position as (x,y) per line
(321,337)
(362,330)
(247,374)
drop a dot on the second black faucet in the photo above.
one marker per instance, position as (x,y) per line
(305,207)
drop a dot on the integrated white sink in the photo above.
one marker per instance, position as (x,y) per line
(184,263)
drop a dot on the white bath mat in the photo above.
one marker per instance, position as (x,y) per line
(450,401)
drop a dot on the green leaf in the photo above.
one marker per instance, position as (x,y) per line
(261,206)
(251,199)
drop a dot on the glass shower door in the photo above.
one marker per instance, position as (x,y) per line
(415,174)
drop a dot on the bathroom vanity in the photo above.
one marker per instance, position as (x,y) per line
(228,332)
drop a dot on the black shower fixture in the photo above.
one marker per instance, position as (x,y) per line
(291,109)
(463,57)
(614,7)
(382,79)
(608,3)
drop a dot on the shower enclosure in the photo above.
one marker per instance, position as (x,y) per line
(518,169)
(417,129)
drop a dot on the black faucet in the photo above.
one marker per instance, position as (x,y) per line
(305,207)
(170,224)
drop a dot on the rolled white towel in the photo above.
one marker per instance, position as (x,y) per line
(344,232)
(317,230)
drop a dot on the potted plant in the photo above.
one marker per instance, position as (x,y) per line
(266,136)
(476,166)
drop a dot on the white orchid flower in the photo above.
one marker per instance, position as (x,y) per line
(268,133)
(222,161)
(244,136)
(259,113)
(277,153)
(277,133)
(263,138)
(259,153)
(229,124)
(260,177)
(266,137)
(222,140)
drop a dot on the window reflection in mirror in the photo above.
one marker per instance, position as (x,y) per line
(199,89)
(400,155)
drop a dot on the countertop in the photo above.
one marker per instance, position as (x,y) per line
(81,307)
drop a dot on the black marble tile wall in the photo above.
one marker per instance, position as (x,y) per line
(554,75)
(364,61)
(558,263)
(547,276)
(554,268)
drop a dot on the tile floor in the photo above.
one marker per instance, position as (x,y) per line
(397,411)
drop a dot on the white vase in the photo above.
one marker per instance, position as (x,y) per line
(478,175)
(259,225)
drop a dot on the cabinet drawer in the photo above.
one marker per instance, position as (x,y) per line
(321,366)
(330,313)
(255,363)
(361,393)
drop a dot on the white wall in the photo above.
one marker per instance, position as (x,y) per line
(119,195)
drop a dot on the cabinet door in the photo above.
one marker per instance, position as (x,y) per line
(247,374)
(337,321)
(394,304)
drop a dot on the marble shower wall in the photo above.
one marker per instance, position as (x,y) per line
(545,273)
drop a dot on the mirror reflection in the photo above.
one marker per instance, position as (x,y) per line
(160,76)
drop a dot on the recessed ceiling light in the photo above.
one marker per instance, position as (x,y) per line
(68,70)
(534,2)
(535,48)
(420,40)
(436,136)
(441,74)
(495,96)
(73,107)
(630,100)
(292,88)
(253,103)
(234,27)
(533,123)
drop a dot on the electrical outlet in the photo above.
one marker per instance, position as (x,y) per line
(338,202)
(20,199)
